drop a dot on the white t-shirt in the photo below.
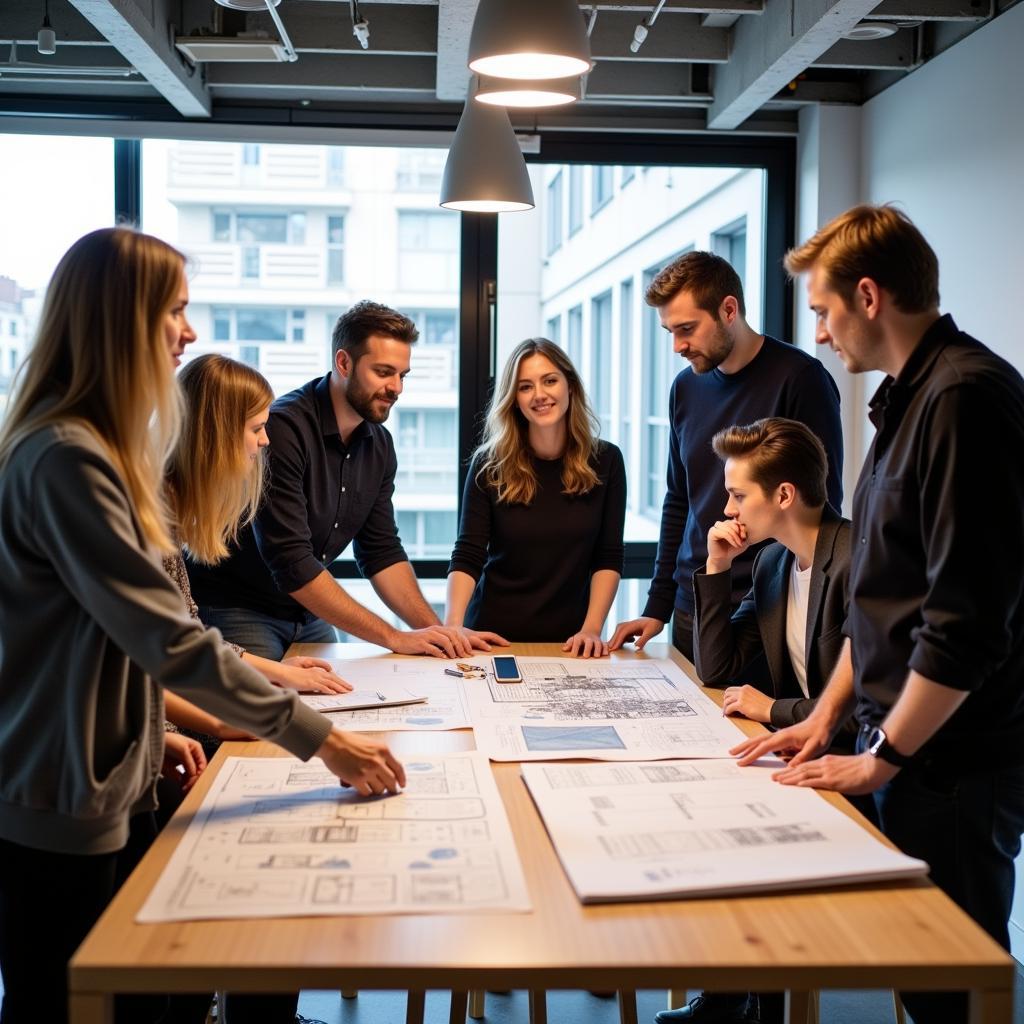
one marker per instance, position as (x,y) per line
(796,622)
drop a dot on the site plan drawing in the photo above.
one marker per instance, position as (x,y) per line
(276,837)
(659,829)
(442,710)
(598,709)
(383,695)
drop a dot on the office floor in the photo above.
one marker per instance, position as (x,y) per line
(583,1008)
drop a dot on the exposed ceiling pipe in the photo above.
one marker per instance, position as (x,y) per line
(286,43)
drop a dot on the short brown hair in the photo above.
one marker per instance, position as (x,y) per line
(778,451)
(710,278)
(879,242)
(357,323)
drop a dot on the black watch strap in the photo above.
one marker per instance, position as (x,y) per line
(878,745)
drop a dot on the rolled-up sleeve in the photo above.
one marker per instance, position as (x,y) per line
(281,527)
(967,613)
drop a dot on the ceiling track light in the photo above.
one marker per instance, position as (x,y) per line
(485,171)
(521,92)
(360,24)
(640,33)
(529,39)
(46,40)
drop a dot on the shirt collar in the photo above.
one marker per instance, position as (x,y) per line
(328,421)
(918,366)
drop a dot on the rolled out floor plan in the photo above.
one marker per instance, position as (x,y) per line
(276,837)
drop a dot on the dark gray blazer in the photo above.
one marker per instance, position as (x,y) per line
(725,644)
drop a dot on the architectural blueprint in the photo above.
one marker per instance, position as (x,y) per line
(276,837)
(599,709)
(693,828)
(443,708)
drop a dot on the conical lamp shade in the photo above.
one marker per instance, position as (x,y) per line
(529,39)
(485,171)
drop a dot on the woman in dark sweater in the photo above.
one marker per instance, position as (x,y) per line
(539,554)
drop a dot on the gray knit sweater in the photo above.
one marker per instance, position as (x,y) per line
(89,622)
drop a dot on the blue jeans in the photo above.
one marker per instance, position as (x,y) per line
(967,824)
(264,635)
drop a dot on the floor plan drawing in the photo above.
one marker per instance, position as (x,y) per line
(655,830)
(599,709)
(278,838)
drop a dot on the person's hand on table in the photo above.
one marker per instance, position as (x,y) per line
(436,641)
(183,761)
(853,774)
(480,639)
(586,644)
(366,765)
(311,675)
(638,630)
(801,742)
(749,702)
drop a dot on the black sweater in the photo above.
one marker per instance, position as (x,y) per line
(533,563)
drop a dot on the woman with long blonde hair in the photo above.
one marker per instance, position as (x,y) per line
(539,554)
(214,484)
(91,627)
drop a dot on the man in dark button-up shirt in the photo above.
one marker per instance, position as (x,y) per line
(935,651)
(331,477)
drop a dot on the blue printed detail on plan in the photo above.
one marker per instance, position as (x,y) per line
(582,737)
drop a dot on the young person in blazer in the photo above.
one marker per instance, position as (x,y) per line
(775,471)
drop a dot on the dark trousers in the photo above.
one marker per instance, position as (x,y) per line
(48,903)
(968,828)
(682,633)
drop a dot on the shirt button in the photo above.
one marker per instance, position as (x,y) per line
(335,525)
(343,490)
(348,456)
(863,540)
(324,556)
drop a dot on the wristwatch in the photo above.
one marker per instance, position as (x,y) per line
(878,745)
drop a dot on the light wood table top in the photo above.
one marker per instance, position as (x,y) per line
(904,934)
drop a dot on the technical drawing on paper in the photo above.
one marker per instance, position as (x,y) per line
(605,710)
(647,831)
(275,837)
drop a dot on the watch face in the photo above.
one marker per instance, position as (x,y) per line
(875,740)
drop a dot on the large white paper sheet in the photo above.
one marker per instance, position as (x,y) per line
(275,837)
(381,696)
(596,709)
(660,829)
(443,708)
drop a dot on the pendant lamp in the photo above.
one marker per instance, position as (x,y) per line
(529,39)
(523,92)
(485,171)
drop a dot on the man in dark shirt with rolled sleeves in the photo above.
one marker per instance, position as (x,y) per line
(735,376)
(935,656)
(331,476)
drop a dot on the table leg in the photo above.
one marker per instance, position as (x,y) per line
(627,1006)
(476,1003)
(798,1005)
(990,1006)
(457,1014)
(349,993)
(538,1006)
(676,998)
(414,1004)
(91,1008)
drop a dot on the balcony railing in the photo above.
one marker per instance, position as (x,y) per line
(222,265)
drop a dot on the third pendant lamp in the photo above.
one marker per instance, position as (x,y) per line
(485,171)
(529,39)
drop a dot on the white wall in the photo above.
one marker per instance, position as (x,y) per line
(948,144)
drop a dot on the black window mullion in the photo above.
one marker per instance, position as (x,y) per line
(128,182)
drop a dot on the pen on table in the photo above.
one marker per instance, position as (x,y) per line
(454,672)
(380,696)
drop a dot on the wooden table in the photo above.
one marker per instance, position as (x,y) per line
(890,935)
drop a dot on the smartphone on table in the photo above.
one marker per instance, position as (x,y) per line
(506,669)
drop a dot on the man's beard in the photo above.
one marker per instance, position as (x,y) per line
(720,350)
(362,401)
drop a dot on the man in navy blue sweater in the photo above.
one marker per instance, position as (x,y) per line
(735,375)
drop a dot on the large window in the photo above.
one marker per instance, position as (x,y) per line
(41,216)
(297,254)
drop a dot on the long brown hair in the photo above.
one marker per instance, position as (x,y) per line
(504,452)
(100,360)
(213,487)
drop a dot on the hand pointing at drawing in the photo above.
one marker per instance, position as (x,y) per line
(368,766)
